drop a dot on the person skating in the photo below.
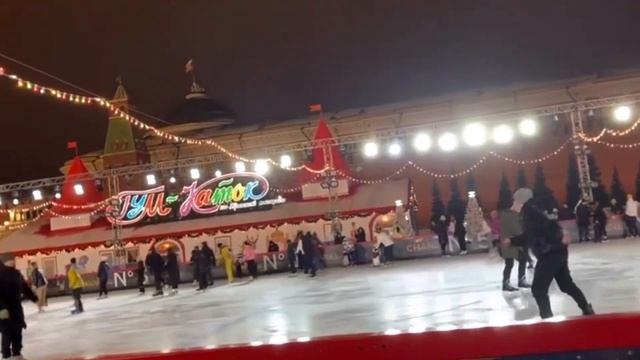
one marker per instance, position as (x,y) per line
(103,277)
(39,282)
(201,269)
(291,256)
(300,252)
(583,214)
(600,223)
(511,229)
(461,234)
(309,249)
(273,247)
(211,261)
(249,255)
(226,261)
(195,253)
(173,270)
(385,242)
(549,244)
(155,263)
(13,288)
(441,228)
(140,277)
(76,284)
(631,216)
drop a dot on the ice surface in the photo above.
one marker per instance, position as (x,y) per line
(417,295)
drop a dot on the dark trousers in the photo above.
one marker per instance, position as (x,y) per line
(549,267)
(292,265)
(11,338)
(462,241)
(583,233)
(210,276)
(157,280)
(252,267)
(301,261)
(141,285)
(600,230)
(632,225)
(388,253)
(203,279)
(174,279)
(508,265)
(77,299)
(310,264)
(443,239)
(103,287)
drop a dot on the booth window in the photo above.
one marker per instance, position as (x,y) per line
(132,255)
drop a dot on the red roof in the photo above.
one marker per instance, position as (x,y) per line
(78,175)
(317,163)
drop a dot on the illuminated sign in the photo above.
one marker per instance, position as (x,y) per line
(223,194)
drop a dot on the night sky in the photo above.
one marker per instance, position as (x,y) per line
(268,59)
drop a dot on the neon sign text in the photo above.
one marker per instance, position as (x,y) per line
(229,192)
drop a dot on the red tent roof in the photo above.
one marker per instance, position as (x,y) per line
(78,175)
(317,163)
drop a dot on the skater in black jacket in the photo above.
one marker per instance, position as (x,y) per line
(550,245)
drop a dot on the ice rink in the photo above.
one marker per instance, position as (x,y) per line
(417,295)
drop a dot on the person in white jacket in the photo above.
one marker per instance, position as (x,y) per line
(631,216)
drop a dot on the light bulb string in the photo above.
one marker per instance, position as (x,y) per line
(114,110)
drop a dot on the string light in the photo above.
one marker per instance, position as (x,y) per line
(79,99)
(533,161)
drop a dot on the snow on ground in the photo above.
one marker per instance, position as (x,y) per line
(411,295)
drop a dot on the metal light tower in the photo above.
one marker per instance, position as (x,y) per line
(581,151)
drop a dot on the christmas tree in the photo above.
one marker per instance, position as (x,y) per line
(573,183)
(437,206)
(474,220)
(455,207)
(521,178)
(617,192)
(541,192)
(599,192)
(504,194)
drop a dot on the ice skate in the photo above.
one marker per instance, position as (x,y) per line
(523,284)
(157,293)
(463,253)
(588,311)
(508,288)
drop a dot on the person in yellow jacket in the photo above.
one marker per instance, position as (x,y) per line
(75,284)
(226,260)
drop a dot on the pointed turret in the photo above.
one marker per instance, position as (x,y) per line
(123,145)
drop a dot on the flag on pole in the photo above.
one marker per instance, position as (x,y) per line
(315,108)
(188,66)
(72,145)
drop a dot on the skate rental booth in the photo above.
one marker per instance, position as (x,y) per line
(226,209)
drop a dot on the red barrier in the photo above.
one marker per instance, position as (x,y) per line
(586,333)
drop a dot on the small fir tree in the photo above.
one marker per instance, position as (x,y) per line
(617,192)
(437,206)
(599,192)
(542,193)
(473,219)
(521,177)
(504,195)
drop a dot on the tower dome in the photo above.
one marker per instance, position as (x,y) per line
(199,108)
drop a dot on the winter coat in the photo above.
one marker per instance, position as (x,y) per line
(209,255)
(103,270)
(510,228)
(582,215)
(308,246)
(361,236)
(201,263)
(38,279)
(273,247)
(154,262)
(74,278)
(543,235)
(12,288)
(140,274)
(441,227)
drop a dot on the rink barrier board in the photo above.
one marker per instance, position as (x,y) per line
(595,337)
(123,277)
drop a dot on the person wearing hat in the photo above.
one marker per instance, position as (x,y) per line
(12,288)
(550,245)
